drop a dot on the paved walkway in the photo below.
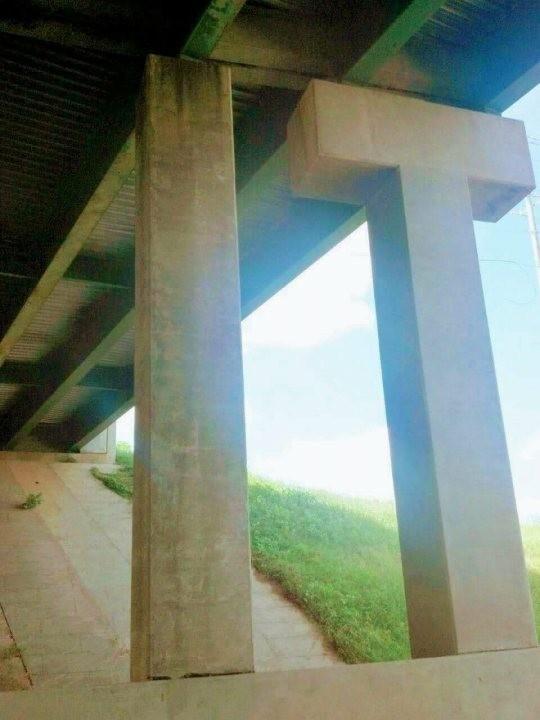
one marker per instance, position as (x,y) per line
(13,675)
(65,583)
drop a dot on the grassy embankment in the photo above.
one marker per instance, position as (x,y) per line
(336,558)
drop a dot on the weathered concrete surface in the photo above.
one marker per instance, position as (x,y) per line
(498,686)
(191,559)
(342,137)
(65,582)
(423,171)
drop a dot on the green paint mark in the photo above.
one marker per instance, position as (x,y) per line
(402,29)
(210,27)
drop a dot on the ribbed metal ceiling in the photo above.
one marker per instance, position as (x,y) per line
(64,112)
(121,354)
(72,399)
(460,22)
(51,324)
(51,101)
(114,233)
(299,7)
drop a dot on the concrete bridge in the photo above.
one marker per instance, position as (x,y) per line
(265,132)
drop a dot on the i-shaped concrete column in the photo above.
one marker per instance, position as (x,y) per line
(191,592)
(423,171)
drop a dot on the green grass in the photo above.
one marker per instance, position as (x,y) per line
(124,455)
(531,543)
(121,480)
(337,558)
(32,501)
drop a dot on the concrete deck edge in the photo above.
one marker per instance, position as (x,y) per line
(502,685)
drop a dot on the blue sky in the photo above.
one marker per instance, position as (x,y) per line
(314,404)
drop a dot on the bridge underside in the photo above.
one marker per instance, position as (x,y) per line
(67,209)
(252,154)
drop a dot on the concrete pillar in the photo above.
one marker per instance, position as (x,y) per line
(463,565)
(191,594)
(103,444)
(465,578)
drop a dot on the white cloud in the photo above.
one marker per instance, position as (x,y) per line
(528,509)
(526,473)
(125,427)
(357,465)
(324,302)
(530,450)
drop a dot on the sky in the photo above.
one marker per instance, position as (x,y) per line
(313,388)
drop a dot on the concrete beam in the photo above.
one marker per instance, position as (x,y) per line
(88,421)
(106,191)
(255,77)
(191,592)
(490,72)
(70,34)
(270,39)
(99,270)
(379,34)
(516,89)
(32,374)
(351,43)
(500,685)
(211,26)
(489,152)
(398,31)
(513,58)
(268,216)
(423,171)
(120,28)
(94,333)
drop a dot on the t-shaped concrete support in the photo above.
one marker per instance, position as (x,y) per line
(424,171)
